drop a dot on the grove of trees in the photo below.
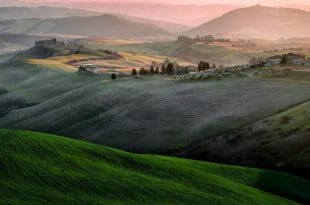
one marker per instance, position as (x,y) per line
(166,68)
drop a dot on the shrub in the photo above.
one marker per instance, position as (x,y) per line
(113,76)
(203,66)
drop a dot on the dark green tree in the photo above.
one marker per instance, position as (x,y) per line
(134,72)
(143,71)
(157,71)
(170,69)
(152,70)
(163,70)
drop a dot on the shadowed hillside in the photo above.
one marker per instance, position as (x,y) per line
(280,142)
(45,169)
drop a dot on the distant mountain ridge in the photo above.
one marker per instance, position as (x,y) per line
(191,14)
(4,3)
(108,26)
(10,13)
(258,22)
(168,26)
(44,12)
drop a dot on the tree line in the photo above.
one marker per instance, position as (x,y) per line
(167,68)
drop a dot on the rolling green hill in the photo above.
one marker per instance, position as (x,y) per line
(128,113)
(44,169)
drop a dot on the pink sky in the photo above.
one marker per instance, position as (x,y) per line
(242,2)
(190,16)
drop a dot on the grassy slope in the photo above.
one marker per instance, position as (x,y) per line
(280,141)
(38,168)
(61,62)
(38,83)
(290,74)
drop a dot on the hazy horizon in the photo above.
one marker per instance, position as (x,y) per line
(198,2)
(185,12)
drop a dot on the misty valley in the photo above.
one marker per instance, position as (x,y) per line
(102,104)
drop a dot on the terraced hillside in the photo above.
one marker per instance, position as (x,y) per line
(44,169)
(150,115)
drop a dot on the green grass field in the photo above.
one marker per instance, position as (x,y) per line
(45,169)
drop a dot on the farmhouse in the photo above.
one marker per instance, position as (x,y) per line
(187,39)
(294,59)
(89,68)
(208,38)
(274,60)
(287,59)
